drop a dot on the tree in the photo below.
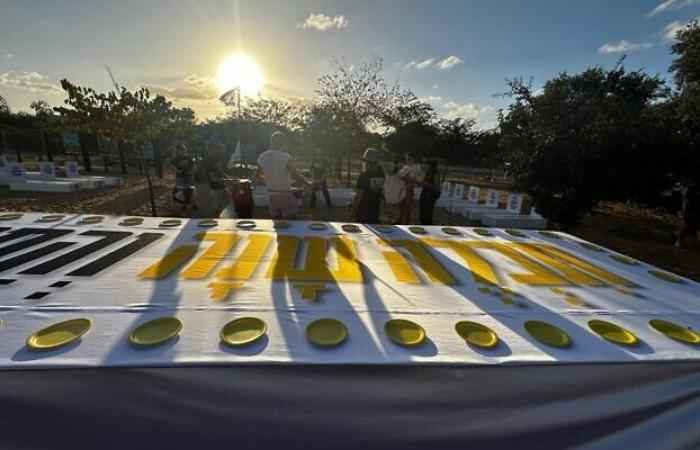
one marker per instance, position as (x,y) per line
(585,138)
(686,65)
(41,108)
(685,111)
(4,109)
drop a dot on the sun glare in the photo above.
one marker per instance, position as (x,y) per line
(240,71)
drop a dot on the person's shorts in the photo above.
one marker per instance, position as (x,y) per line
(283,205)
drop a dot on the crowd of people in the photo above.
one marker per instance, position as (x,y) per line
(276,170)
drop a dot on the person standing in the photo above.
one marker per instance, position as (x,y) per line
(216,177)
(277,169)
(319,168)
(370,183)
(183,192)
(430,193)
(688,234)
(409,174)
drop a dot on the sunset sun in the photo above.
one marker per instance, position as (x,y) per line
(242,71)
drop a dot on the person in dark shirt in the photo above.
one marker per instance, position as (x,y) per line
(183,192)
(365,205)
(430,193)
(216,176)
(319,168)
(688,234)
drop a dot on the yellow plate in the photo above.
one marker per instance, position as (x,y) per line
(515,233)
(10,216)
(675,332)
(92,219)
(611,332)
(624,260)
(326,332)
(317,226)
(281,224)
(549,234)
(58,334)
(51,218)
(589,246)
(404,332)
(245,224)
(170,222)
(547,333)
(417,230)
(350,228)
(155,331)
(130,221)
(452,231)
(477,334)
(671,278)
(482,232)
(207,223)
(243,331)
(384,228)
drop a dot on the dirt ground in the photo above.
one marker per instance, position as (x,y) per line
(640,233)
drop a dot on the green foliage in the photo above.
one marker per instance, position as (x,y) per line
(685,104)
(586,138)
(686,65)
(125,115)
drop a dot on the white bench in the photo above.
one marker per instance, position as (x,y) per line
(44,186)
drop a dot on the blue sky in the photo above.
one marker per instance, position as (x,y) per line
(454,53)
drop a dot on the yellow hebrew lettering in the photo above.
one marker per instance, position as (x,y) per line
(538,275)
(581,264)
(221,289)
(315,266)
(248,261)
(402,268)
(200,267)
(165,265)
(478,266)
(573,275)
(309,291)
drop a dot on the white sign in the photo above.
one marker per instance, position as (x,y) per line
(514,203)
(15,172)
(47,171)
(492,198)
(446,185)
(473,194)
(72,169)
(3,163)
(458,191)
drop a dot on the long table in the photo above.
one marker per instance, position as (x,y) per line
(369,392)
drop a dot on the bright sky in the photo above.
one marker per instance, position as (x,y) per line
(453,53)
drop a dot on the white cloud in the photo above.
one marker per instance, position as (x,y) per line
(622,46)
(424,64)
(669,32)
(322,22)
(29,81)
(484,115)
(670,5)
(449,62)
(8,55)
(204,81)
(432,99)
(435,87)
(196,88)
(443,64)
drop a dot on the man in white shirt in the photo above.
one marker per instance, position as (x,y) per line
(277,169)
